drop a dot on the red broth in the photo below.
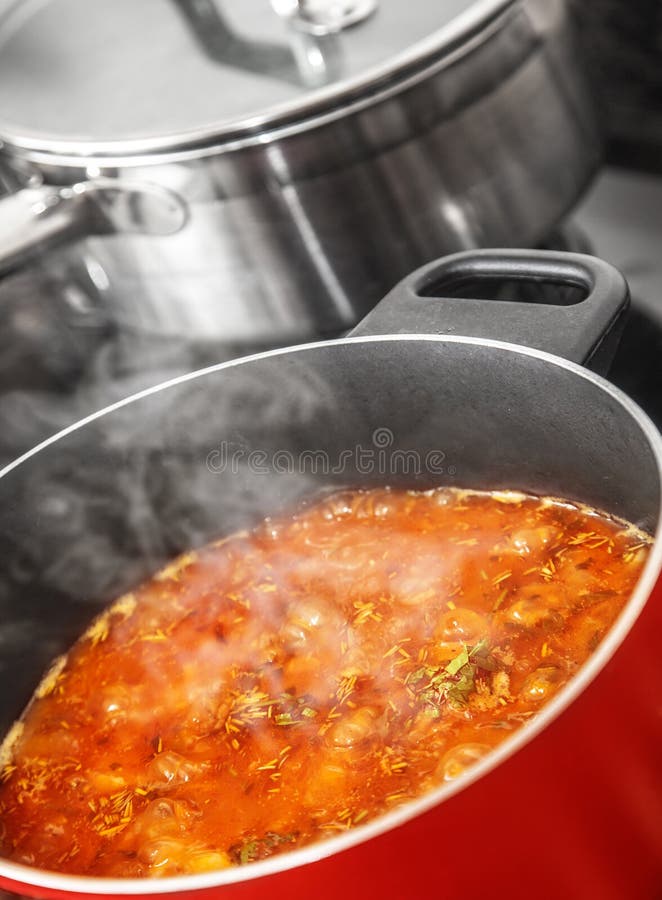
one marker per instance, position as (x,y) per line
(283,685)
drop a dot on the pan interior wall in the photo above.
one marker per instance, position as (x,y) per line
(103,507)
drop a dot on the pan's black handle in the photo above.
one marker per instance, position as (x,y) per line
(568,304)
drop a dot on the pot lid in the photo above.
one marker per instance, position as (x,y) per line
(88,77)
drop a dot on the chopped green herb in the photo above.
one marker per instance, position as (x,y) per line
(460,690)
(261,848)
(480,655)
(456,681)
(458,663)
(284,719)
(248,852)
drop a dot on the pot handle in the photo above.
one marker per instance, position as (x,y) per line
(567,304)
(35,219)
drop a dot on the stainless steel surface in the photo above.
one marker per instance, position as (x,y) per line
(301,233)
(83,76)
(37,218)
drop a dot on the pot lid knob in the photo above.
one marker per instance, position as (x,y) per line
(320,17)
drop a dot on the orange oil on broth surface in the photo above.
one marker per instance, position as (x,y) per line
(286,684)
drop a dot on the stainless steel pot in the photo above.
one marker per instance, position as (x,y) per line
(267,175)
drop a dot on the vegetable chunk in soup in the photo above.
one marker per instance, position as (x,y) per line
(288,683)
